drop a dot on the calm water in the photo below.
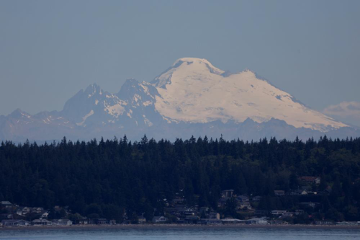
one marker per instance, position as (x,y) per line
(183,233)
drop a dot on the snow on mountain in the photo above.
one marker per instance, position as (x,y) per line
(195,91)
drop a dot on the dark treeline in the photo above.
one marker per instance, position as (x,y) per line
(109,177)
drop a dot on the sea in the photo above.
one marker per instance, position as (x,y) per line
(189,233)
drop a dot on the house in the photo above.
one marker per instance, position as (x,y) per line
(37,210)
(177,211)
(347,223)
(310,180)
(214,215)
(299,192)
(232,221)
(22,211)
(12,223)
(278,212)
(141,220)
(84,221)
(256,199)
(279,192)
(41,222)
(242,198)
(44,214)
(5,204)
(227,193)
(62,222)
(189,212)
(258,221)
(159,219)
(101,221)
(287,214)
(244,206)
(324,223)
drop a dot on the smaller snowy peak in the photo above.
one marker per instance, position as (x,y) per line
(18,113)
(133,91)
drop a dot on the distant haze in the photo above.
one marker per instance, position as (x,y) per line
(50,49)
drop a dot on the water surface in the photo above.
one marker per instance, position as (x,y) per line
(170,233)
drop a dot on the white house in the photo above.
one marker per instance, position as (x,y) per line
(62,222)
(278,212)
(159,219)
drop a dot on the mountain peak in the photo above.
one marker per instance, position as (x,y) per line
(196,68)
(198,62)
(191,60)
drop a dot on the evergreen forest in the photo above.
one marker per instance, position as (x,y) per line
(108,178)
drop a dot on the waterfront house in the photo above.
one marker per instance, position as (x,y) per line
(232,221)
(214,215)
(159,219)
(258,221)
(101,221)
(141,220)
(41,222)
(14,223)
(62,222)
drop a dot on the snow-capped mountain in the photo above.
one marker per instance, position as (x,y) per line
(192,97)
(195,91)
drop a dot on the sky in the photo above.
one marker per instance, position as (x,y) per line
(49,50)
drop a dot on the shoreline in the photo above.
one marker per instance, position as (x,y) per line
(180,226)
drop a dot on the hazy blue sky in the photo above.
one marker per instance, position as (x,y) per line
(49,50)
